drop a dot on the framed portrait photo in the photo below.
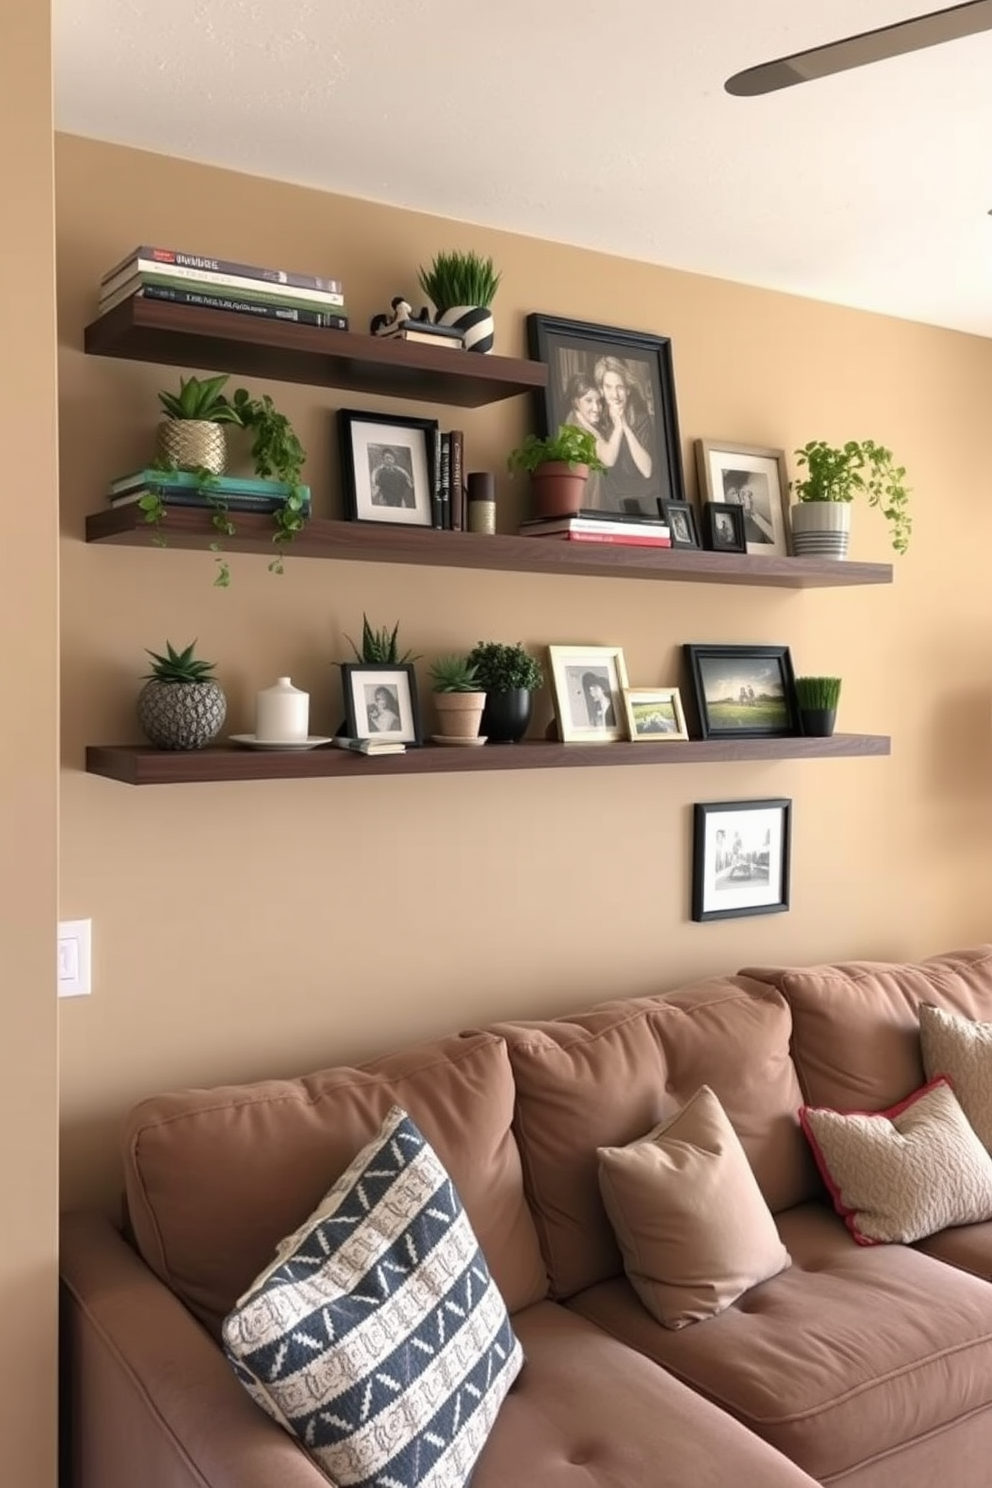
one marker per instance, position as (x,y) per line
(387,463)
(723,527)
(654,714)
(754,479)
(380,702)
(740,858)
(682,525)
(588,684)
(743,692)
(620,387)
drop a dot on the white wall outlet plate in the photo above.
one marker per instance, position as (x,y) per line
(73,970)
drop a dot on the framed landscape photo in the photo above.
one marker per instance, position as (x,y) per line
(620,387)
(681,519)
(723,527)
(740,858)
(754,479)
(388,467)
(380,702)
(743,692)
(589,683)
(654,714)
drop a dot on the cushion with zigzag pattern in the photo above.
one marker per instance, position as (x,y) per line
(377,1337)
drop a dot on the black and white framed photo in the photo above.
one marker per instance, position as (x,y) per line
(723,527)
(682,525)
(756,480)
(620,387)
(380,702)
(654,713)
(743,692)
(588,684)
(740,858)
(388,467)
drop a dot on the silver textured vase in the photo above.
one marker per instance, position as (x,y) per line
(192,444)
(181,715)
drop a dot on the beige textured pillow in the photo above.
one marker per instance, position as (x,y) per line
(688,1215)
(962,1050)
(901,1174)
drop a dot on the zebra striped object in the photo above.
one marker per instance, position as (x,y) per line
(377,1337)
(475,323)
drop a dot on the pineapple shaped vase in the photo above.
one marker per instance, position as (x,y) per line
(180,706)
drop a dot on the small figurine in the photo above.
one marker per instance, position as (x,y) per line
(388,325)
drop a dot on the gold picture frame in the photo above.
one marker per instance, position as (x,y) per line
(654,714)
(588,684)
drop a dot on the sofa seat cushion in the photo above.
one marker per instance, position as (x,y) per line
(377,1337)
(850,1353)
(855,1026)
(588,1412)
(216,1178)
(969,1247)
(605,1077)
(668,1198)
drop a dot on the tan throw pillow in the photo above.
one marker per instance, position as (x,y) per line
(688,1215)
(904,1173)
(962,1050)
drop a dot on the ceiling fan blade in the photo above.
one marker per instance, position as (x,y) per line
(871,46)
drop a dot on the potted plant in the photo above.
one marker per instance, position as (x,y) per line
(835,474)
(193,437)
(510,676)
(462,287)
(459,700)
(180,705)
(818,698)
(558,466)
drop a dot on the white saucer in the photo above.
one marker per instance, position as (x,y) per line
(452,739)
(250,741)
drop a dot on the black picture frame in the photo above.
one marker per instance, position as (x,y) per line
(741,858)
(743,692)
(682,524)
(367,443)
(634,367)
(723,527)
(360,681)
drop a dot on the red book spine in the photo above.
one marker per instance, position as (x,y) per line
(636,540)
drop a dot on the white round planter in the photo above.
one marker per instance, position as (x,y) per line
(821,529)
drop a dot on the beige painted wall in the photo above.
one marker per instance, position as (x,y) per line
(28,757)
(267,928)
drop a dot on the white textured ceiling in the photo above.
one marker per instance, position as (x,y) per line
(602,124)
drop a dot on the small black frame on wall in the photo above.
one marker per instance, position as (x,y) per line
(740,858)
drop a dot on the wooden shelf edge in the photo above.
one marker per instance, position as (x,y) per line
(142,765)
(381,542)
(180,335)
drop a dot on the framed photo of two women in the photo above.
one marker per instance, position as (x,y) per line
(619,386)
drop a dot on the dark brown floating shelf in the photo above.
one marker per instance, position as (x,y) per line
(377,542)
(137,764)
(187,336)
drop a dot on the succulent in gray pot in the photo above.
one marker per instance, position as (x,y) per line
(510,676)
(180,705)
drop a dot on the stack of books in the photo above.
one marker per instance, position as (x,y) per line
(425,332)
(598,527)
(222,284)
(448,496)
(370,746)
(186,488)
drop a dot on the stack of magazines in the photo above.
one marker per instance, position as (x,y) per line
(188,488)
(223,284)
(602,527)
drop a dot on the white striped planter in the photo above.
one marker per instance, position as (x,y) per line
(475,323)
(821,529)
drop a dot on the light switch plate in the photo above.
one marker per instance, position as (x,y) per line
(73,964)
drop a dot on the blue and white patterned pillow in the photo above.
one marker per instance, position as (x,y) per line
(378,1337)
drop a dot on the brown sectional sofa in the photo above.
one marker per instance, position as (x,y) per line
(870,1367)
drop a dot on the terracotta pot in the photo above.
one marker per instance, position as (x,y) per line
(459,713)
(558,488)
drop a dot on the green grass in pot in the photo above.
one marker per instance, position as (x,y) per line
(454,279)
(817,694)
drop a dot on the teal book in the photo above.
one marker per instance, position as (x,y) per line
(188,480)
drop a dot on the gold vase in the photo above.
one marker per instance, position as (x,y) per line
(192,444)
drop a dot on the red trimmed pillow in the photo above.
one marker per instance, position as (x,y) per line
(901,1174)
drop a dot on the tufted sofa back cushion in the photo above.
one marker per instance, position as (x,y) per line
(605,1077)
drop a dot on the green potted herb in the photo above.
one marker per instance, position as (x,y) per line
(380,646)
(459,699)
(558,466)
(817,698)
(462,286)
(834,475)
(510,676)
(180,705)
(192,434)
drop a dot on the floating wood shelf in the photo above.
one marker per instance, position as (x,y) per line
(143,330)
(379,542)
(137,764)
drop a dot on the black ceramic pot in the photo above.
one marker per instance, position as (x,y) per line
(506,717)
(818,723)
